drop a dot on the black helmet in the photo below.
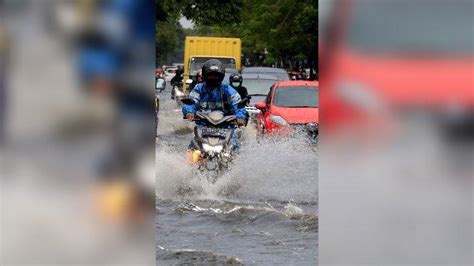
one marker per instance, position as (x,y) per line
(234,79)
(213,66)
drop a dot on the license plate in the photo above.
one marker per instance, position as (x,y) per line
(214,132)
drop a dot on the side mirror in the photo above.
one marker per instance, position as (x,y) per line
(187,101)
(189,81)
(160,84)
(260,106)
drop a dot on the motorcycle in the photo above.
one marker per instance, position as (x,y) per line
(177,92)
(211,147)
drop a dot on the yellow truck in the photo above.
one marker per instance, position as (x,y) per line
(198,50)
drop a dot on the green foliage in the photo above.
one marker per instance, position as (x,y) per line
(167,10)
(212,12)
(275,30)
(167,40)
(168,31)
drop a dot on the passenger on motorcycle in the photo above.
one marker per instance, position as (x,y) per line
(213,95)
(235,80)
(178,77)
(197,80)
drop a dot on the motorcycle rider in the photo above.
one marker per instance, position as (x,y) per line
(235,80)
(178,76)
(177,79)
(213,95)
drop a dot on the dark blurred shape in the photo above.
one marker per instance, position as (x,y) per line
(78,182)
(397,112)
(4,46)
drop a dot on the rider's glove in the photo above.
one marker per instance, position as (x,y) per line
(190,116)
(241,122)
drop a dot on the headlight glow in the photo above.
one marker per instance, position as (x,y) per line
(210,148)
(279,120)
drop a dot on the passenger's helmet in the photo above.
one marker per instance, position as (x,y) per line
(213,68)
(235,80)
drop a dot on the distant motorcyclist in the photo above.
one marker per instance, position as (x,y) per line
(197,80)
(235,80)
(213,95)
(177,79)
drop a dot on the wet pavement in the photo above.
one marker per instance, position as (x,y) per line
(262,212)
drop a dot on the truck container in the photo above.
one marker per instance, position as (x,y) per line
(198,50)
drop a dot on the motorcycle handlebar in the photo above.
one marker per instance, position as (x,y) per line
(196,118)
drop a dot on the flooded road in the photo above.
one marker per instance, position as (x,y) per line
(262,212)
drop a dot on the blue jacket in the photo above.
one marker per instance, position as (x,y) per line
(224,98)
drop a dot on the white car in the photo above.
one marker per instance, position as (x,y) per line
(170,73)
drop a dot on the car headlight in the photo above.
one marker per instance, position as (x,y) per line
(312,126)
(210,148)
(358,95)
(252,110)
(279,120)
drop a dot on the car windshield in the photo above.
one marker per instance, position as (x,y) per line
(197,62)
(301,96)
(279,73)
(281,76)
(258,86)
(412,26)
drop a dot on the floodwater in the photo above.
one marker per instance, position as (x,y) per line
(262,212)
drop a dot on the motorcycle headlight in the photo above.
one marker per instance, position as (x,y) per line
(279,120)
(210,148)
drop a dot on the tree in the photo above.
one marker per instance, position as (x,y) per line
(212,12)
(277,30)
(167,29)
(285,28)
(281,32)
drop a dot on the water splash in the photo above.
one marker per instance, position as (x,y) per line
(261,171)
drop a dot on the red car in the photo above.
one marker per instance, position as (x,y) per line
(381,60)
(289,106)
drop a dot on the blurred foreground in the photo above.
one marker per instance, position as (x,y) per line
(397,97)
(75,102)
